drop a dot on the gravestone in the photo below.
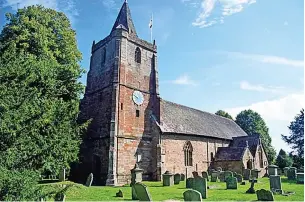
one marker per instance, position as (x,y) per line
(221,176)
(89,180)
(189,182)
(201,186)
(119,194)
(228,174)
(285,171)
(168,179)
(195,174)
(246,174)
(264,195)
(251,190)
(182,176)
(62,175)
(60,197)
(177,178)
(136,176)
(205,175)
(272,170)
(300,178)
(275,183)
(292,173)
(214,176)
(231,182)
(254,173)
(192,195)
(239,178)
(142,192)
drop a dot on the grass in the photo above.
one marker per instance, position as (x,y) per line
(217,192)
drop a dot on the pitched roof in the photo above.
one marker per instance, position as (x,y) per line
(253,142)
(230,153)
(124,20)
(180,119)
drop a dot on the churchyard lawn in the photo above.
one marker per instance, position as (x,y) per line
(217,191)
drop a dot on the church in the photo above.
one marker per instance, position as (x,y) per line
(130,123)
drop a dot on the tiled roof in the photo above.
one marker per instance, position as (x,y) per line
(253,142)
(230,153)
(180,119)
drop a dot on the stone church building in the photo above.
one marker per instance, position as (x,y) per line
(131,124)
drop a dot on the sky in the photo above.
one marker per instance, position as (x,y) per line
(212,54)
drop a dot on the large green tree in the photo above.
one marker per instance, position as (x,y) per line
(39,91)
(252,123)
(296,138)
(283,160)
(224,114)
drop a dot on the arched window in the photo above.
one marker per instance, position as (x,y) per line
(103,56)
(138,55)
(188,151)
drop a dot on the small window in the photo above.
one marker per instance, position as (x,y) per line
(138,55)
(121,106)
(137,113)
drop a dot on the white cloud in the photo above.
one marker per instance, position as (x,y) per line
(244,85)
(66,6)
(277,114)
(214,11)
(267,59)
(184,80)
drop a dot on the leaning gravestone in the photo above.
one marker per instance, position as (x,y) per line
(136,176)
(239,178)
(142,192)
(195,174)
(168,179)
(182,177)
(300,178)
(205,175)
(231,182)
(177,178)
(189,182)
(89,180)
(214,176)
(264,195)
(247,174)
(275,183)
(192,195)
(221,176)
(228,174)
(292,173)
(201,186)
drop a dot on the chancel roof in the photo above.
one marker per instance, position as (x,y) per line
(253,141)
(230,153)
(180,119)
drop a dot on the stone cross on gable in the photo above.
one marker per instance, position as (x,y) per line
(247,144)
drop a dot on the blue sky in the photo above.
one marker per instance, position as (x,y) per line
(212,54)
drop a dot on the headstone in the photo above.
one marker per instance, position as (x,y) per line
(292,173)
(275,183)
(247,173)
(177,178)
(136,176)
(254,173)
(195,174)
(119,194)
(62,175)
(190,182)
(251,190)
(205,175)
(221,176)
(300,178)
(239,178)
(231,182)
(201,186)
(264,195)
(182,176)
(228,174)
(89,180)
(60,197)
(168,179)
(142,192)
(285,171)
(192,195)
(214,176)
(272,170)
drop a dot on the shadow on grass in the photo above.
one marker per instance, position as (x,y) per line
(285,180)
(47,181)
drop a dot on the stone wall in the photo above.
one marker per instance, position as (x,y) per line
(257,163)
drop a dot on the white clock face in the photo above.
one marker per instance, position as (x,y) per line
(138,97)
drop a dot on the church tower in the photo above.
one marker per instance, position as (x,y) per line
(121,99)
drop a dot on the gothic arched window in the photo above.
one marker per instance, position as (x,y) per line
(188,151)
(103,56)
(138,55)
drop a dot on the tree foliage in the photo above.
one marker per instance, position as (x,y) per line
(252,123)
(283,160)
(224,114)
(39,91)
(296,138)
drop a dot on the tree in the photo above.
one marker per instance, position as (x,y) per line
(39,91)
(283,160)
(252,123)
(296,138)
(224,114)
